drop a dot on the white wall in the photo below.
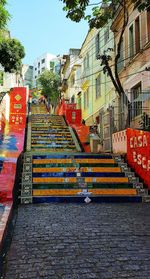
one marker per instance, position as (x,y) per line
(46,65)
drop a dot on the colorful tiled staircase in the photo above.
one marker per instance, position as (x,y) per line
(50,133)
(59,173)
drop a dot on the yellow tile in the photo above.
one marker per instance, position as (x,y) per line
(53,179)
(118,192)
(104,169)
(103,161)
(55,192)
(106,179)
(95,192)
(47,161)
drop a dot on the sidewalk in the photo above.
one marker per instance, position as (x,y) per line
(74,241)
(5,213)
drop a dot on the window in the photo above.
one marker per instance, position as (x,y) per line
(73,99)
(137,35)
(35,69)
(121,58)
(86,98)
(38,72)
(43,61)
(35,77)
(97,45)
(86,61)
(136,100)
(106,35)
(39,65)
(148,25)
(98,86)
(52,65)
(72,81)
(131,42)
(43,69)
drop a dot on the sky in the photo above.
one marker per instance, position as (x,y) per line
(41,26)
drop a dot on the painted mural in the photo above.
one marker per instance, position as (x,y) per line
(138,153)
(12,141)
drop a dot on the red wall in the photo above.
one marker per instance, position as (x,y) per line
(73,116)
(18,100)
(16,131)
(138,153)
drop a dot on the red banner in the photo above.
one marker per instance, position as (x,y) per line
(17,119)
(73,116)
(18,106)
(138,153)
(18,100)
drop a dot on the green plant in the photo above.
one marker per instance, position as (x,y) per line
(49,83)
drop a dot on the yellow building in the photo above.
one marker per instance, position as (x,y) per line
(97,89)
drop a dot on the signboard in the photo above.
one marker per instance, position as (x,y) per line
(18,100)
(138,153)
(18,106)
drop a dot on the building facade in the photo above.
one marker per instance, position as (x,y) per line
(44,62)
(70,76)
(97,90)
(134,64)
(27,75)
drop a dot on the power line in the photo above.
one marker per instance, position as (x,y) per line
(99,71)
(109,81)
(119,31)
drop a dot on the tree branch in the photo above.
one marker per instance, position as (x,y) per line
(125,11)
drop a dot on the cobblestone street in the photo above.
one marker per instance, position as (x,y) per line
(74,241)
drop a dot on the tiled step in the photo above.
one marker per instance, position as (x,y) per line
(75,192)
(71,176)
(62,133)
(74,174)
(50,133)
(49,128)
(47,137)
(51,136)
(73,169)
(94,199)
(79,161)
(49,140)
(54,145)
(114,185)
(72,157)
(74,179)
(109,165)
(52,150)
(52,141)
(33,141)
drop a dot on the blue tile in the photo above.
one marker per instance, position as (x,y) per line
(98,199)
(54,174)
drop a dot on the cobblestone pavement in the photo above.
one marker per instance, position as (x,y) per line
(74,241)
